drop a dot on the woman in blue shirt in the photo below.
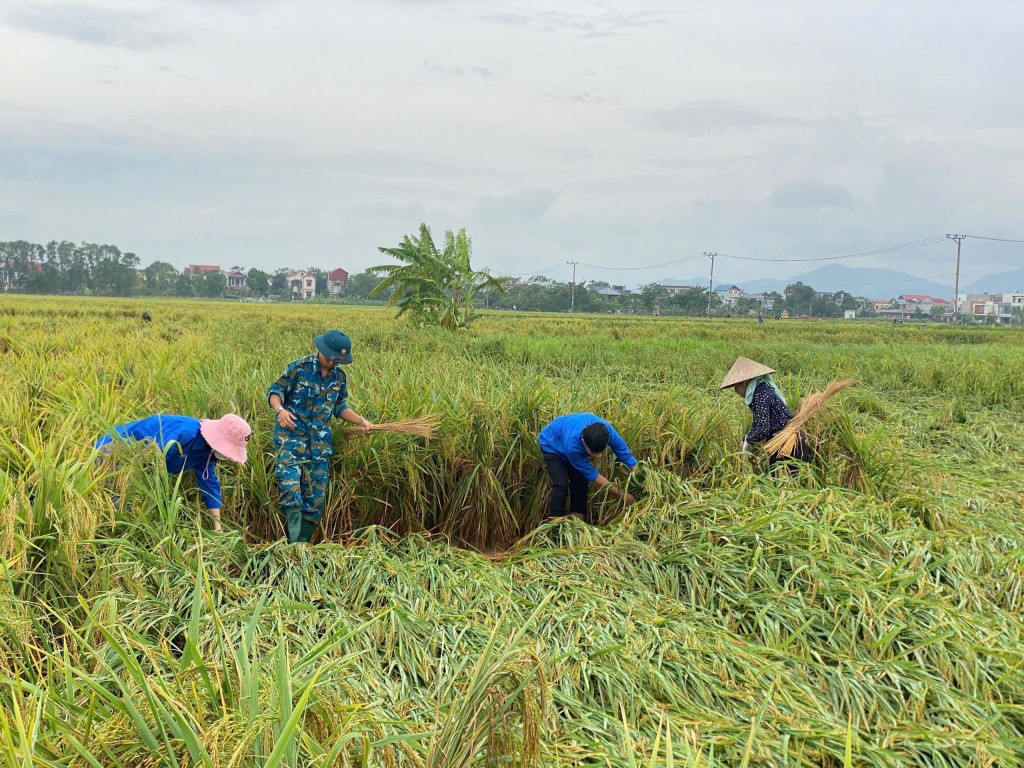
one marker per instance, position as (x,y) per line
(568,444)
(191,444)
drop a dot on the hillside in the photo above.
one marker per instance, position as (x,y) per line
(1003,282)
(861,281)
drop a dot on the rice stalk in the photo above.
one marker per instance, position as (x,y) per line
(785,442)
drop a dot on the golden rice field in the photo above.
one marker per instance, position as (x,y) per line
(869,612)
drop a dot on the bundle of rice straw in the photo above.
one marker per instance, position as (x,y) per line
(421,427)
(784,443)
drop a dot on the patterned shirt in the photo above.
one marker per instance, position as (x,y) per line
(311,398)
(770,414)
(183,446)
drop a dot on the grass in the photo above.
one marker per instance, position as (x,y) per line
(866,612)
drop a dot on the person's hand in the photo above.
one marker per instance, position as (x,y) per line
(285,419)
(366,425)
(630,499)
(216,524)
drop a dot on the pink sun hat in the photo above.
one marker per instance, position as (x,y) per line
(227,435)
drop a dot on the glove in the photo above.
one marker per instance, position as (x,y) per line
(746,447)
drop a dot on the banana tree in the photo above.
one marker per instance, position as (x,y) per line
(434,287)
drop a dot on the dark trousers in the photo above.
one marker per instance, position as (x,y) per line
(566,482)
(788,464)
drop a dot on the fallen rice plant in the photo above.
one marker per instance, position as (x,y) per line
(865,612)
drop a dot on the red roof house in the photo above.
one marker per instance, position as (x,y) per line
(336,280)
(236,280)
(920,298)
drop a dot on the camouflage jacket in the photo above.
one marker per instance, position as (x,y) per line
(310,398)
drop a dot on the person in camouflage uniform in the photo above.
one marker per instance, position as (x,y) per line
(311,391)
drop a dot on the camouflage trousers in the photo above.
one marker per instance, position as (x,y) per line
(301,464)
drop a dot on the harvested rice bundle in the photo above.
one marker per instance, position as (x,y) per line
(784,443)
(425,426)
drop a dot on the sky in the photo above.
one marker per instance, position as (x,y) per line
(265,133)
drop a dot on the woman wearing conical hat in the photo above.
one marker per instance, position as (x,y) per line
(754,383)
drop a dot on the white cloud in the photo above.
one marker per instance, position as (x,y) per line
(93,24)
(267,131)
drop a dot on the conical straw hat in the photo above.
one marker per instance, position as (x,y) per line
(744,370)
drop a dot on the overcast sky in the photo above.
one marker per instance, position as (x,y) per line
(266,133)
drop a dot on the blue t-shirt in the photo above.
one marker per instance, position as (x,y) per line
(564,437)
(179,439)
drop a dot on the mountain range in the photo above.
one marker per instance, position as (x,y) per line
(870,282)
(1003,282)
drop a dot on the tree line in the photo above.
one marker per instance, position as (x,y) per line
(427,274)
(88,269)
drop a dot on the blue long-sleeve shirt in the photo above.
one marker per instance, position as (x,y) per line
(564,437)
(179,439)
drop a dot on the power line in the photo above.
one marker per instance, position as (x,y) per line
(996,239)
(552,268)
(877,252)
(704,254)
(674,263)
(880,282)
(889,282)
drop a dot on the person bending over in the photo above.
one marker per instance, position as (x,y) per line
(568,445)
(191,444)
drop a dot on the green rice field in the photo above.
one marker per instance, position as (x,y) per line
(867,612)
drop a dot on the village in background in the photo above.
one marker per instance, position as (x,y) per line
(68,269)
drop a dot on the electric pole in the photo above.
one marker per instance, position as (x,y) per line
(572,299)
(711,279)
(956,288)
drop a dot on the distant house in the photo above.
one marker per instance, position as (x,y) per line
(729,294)
(766,300)
(194,268)
(880,304)
(913,302)
(302,284)
(609,293)
(995,307)
(675,290)
(236,279)
(849,314)
(337,279)
(11,279)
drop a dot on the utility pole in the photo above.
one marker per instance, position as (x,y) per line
(572,299)
(711,279)
(956,288)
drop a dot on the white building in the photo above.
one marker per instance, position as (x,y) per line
(766,300)
(675,290)
(729,294)
(302,284)
(1003,308)
(236,279)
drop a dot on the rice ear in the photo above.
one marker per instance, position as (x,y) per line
(784,443)
(424,426)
